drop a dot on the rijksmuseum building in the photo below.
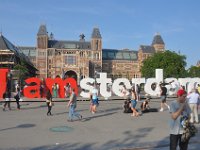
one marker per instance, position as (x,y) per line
(81,58)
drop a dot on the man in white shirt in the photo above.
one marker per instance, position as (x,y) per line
(193,100)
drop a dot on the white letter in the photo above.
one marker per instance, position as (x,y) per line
(148,87)
(85,86)
(138,81)
(150,81)
(116,87)
(173,87)
(103,80)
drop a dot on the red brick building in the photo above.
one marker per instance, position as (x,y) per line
(83,58)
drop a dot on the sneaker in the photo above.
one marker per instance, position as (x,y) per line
(81,117)
(161,109)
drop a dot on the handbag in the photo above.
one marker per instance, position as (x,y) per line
(189,131)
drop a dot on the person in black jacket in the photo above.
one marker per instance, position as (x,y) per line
(17,95)
(49,102)
(7,96)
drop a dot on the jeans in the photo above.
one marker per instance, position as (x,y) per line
(174,139)
(72,112)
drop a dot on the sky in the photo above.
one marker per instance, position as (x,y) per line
(122,23)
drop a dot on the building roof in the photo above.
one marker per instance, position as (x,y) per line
(42,30)
(114,54)
(147,49)
(96,33)
(69,44)
(7,45)
(157,39)
(28,50)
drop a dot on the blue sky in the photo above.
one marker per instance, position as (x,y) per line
(122,23)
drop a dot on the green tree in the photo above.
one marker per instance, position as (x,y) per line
(173,65)
(194,71)
(22,72)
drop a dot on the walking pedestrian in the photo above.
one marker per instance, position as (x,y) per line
(17,95)
(49,102)
(94,99)
(7,96)
(134,102)
(179,110)
(163,96)
(72,104)
(193,100)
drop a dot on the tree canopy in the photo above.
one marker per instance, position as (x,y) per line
(23,71)
(194,71)
(173,65)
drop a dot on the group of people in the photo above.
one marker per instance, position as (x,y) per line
(131,97)
(185,106)
(7,95)
(55,90)
(72,104)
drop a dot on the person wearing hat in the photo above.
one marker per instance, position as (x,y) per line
(179,110)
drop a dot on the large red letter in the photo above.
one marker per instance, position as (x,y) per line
(29,89)
(3,75)
(61,83)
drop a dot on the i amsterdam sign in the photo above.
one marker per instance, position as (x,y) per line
(103,81)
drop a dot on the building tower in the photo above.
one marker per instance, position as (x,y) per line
(96,42)
(41,52)
(158,43)
(96,53)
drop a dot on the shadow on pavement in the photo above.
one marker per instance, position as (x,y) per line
(97,116)
(19,126)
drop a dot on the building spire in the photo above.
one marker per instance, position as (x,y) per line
(42,30)
(96,33)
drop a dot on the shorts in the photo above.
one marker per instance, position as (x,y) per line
(95,102)
(133,103)
(163,98)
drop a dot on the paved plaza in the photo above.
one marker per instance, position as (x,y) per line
(31,129)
